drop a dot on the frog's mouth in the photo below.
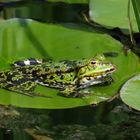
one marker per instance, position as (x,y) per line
(105,73)
(111,70)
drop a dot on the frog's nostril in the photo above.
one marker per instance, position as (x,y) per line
(93,62)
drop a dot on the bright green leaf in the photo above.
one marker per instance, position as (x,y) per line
(112,13)
(130,93)
(20,38)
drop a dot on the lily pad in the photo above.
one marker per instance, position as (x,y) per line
(25,38)
(130,93)
(112,13)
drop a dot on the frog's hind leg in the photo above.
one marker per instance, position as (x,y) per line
(18,82)
(25,89)
(28,62)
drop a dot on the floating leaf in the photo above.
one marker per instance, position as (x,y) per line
(20,39)
(130,93)
(112,13)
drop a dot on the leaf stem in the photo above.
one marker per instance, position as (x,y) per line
(130,24)
(136,7)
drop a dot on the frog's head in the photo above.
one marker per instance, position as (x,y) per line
(97,68)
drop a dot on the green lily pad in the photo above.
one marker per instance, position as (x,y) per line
(25,38)
(130,93)
(112,13)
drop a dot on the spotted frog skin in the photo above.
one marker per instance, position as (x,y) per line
(67,75)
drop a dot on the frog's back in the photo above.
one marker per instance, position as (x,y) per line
(40,67)
(56,74)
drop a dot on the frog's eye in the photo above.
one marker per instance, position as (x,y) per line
(93,62)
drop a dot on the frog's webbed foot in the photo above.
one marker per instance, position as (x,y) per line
(71,91)
(77,94)
(84,93)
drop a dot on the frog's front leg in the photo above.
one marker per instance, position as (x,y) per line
(72,91)
(106,80)
(68,91)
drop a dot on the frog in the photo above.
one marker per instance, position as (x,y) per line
(68,76)
(16,81)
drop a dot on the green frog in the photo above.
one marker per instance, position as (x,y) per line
(69,76)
